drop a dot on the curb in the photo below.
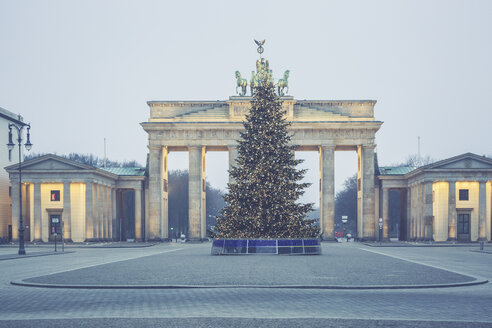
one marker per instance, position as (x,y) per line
(383,245)
(484,251)
(112,246)
(341,287)
(70,245)
(34,254)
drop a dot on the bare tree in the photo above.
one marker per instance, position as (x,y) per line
(88,159)
(415,161)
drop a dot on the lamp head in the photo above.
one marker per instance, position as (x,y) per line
(28,143)
(10,145)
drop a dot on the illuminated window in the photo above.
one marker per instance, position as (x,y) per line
(55,195)
(463,194)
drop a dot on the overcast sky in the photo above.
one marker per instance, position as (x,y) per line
(82,71)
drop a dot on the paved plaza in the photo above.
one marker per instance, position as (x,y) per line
(181,285)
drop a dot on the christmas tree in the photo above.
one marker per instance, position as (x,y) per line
(261,201)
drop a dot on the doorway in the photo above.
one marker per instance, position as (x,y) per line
(463,226)
(125,213)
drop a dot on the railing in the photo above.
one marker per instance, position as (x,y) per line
(266,246)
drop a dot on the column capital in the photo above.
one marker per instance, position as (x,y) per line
(368,147)
(327,147)
(155,148)
(196,147)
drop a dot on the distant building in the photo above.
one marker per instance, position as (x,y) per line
(7,157)
(449,200)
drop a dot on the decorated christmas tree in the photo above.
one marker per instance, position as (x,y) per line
(262,197)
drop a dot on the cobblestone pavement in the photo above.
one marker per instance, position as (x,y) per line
(337,267)
(244,307)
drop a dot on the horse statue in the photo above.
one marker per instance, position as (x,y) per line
(283,83)
(253,83)
(243,83)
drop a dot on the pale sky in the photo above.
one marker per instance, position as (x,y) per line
(82,71)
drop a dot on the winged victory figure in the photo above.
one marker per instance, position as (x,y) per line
(260,43)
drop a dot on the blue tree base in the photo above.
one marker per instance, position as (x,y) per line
(310,246)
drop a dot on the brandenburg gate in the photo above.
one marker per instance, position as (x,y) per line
(324,126)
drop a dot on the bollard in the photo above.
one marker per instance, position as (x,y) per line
(481,245)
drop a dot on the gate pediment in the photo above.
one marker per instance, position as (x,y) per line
(50,163)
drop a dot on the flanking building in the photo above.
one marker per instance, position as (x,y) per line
(94,204)
(449,200)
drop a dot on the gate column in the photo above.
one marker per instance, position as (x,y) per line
(365,186)
(152,226)
(327,191)
(196,193)
(233,155)
(164,218)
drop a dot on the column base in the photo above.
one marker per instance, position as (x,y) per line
(156,240)
(196,240)
(365,239)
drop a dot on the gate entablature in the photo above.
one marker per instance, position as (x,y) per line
(343,124)
(234,110)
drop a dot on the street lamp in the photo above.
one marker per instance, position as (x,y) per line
(19,127)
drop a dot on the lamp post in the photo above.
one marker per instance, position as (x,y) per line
(20,127)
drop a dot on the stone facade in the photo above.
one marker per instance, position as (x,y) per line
(450,200)
(202,126)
